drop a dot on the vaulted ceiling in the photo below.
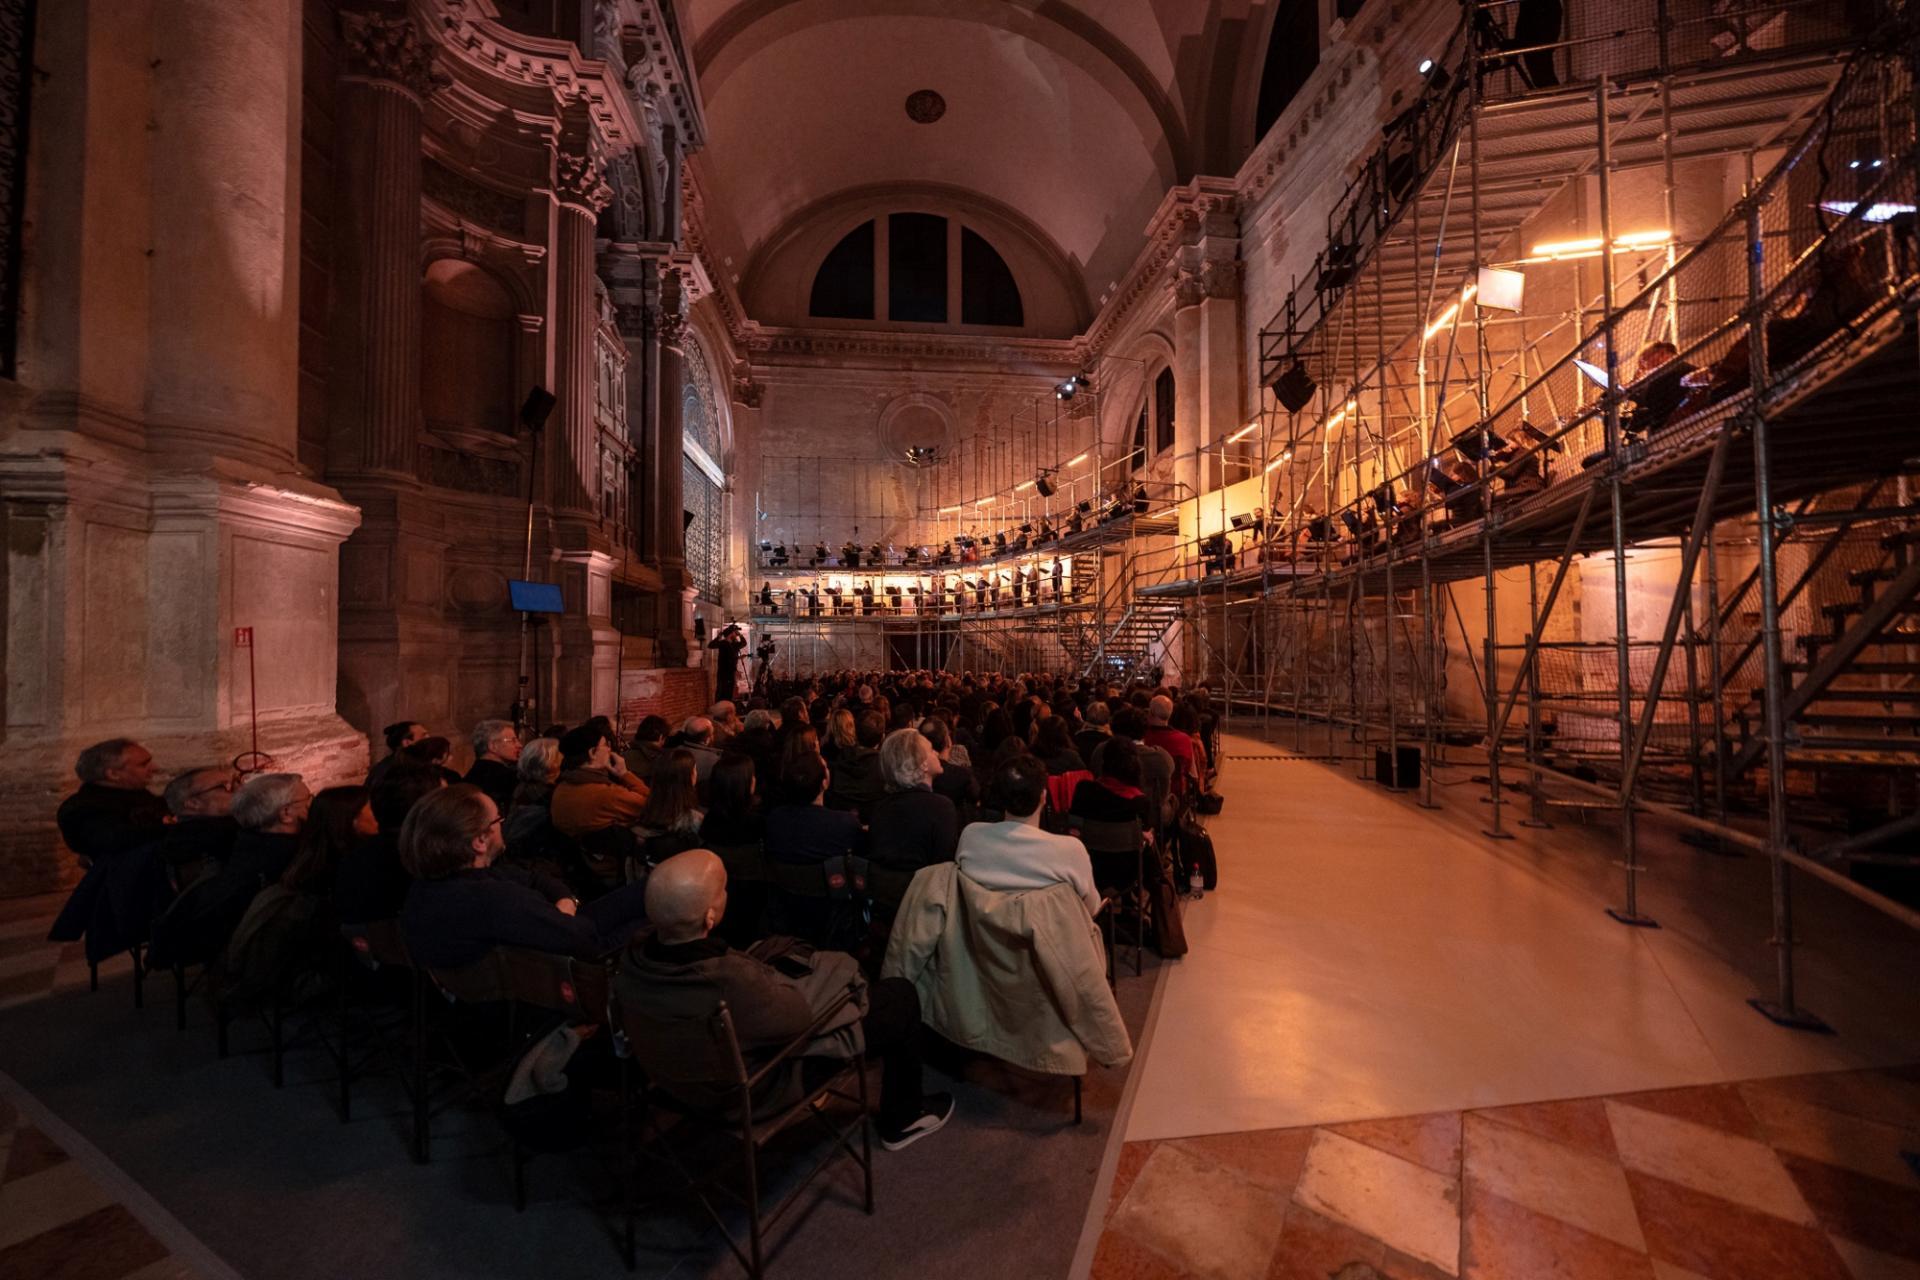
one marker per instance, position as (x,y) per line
(1076,114)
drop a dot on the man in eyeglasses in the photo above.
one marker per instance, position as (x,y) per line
(199,834)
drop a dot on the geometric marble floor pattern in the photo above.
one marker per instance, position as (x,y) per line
(1814,1176)
(57,1220)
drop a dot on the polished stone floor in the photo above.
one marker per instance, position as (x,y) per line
(1402,1049)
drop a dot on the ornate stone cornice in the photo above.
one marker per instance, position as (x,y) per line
(672,319)
(388,48)
(1207,206)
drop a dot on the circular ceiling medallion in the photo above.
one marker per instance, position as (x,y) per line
(924,106)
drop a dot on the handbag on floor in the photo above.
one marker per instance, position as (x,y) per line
(1169,931)
(1196,850)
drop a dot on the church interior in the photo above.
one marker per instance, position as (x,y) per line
(635,632)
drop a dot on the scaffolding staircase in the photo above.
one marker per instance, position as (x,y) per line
(1124,651)
(1850,699)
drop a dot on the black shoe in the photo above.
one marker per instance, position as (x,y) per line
(935,1110)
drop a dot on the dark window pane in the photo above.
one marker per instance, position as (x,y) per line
(843,288)
(917,267)
(1293,52)
(988,294)
(1163,411)
(1139,455)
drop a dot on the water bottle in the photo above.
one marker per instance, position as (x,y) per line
(1196,883)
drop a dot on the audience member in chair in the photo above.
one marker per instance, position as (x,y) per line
(649,740)
(1014,853)
(530,808)
(681,972)
(370,883)
(671,820)
(1156,766)
(594,791)
(339,821)
(199,839)
(114,823)
(271,809)
(800,828)
(496,749)
(913,825)
(956,780)
(399,734)
(733,818)
(461,905)
(856,781)
(112,812)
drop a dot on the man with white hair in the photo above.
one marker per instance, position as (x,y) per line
(682,972)
(496,753)
(271,809)
(912,825)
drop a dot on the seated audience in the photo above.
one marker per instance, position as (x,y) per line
(370,881)
(800,828)
(200,838)
(670,820)
(496,749)
(339,821)
(839,736)
(112,812)
(529,807)
(913,826)
(1186,756)
(726,724)
(682,972)
(271,809)
(434,752)
(1053,743)
(649,740)
(114,823)
(1094,732)
(760,741)
(461,905)
(856,781)
(399,734)
(732,818)
(1156,766)
(696,735)
(1015,853)
(594,792)
(956,779)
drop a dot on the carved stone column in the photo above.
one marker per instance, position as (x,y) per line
(668,451)
(1188,355)
(374,379)
(580,187)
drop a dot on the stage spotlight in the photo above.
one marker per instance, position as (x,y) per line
(1042,485)
(1295,388)
(1067,389)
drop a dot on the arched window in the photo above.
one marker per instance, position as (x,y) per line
(702,491)
(843,287)
(1137,458)
(988,293)
(1293,51)
(466,349)
(1163,411)
(920,247)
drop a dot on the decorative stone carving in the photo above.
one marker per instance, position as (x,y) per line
(747,390)
(673,307)
(380,47)
(581,179)
(1189,287)
(464,196)
(1221,279)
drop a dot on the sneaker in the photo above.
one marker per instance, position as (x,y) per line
(935,1110)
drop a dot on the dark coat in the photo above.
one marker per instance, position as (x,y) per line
(496,779)
(855,783)
(99,821)
(456,921)
(913,829)
(197,926)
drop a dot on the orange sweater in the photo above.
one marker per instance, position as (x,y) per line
(589,800)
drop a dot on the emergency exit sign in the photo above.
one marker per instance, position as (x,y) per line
(243,637)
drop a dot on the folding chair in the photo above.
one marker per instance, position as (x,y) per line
(1118,853)
(694,1068)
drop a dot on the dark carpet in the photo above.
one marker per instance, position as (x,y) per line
(278,1187)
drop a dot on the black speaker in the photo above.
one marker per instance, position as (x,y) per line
(1400,769)
(539,406)
(1295,388)
(1043,486)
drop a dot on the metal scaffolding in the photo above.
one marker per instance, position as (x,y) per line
(1741,653)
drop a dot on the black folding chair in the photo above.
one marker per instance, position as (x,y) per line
(1118,853)
(694,1068)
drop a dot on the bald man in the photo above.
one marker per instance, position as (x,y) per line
(772,991)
